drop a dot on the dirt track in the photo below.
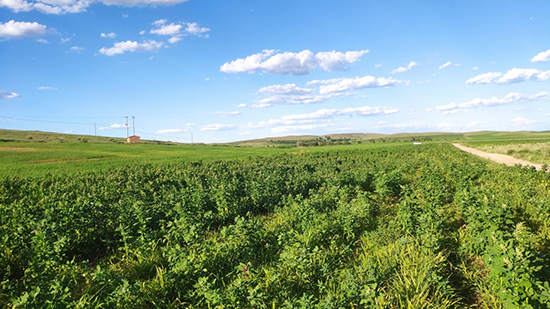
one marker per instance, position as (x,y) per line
(498,158)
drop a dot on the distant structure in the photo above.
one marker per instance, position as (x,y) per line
(134,138)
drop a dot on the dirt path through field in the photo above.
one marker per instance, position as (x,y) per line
(498,158)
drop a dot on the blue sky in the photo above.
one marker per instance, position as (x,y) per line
(234,70)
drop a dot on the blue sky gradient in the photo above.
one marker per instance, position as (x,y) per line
(174,88)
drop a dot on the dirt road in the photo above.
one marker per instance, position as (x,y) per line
(498,158)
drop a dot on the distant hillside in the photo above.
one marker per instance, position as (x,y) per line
(344,138)
(51,137)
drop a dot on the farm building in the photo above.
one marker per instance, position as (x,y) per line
(132,139)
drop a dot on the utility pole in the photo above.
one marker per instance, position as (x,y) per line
(127,129)
(133,125)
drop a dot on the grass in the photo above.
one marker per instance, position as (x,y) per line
(54,153)
(530,146)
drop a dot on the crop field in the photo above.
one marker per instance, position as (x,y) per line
(382,227)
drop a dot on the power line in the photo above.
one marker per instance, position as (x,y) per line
(47,121)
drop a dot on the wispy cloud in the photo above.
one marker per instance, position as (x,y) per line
(449,64)
(218,127)
(511,98)
(512,76)
(405,68)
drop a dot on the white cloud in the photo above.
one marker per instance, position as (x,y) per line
(159,22)
(288,89)
(512,76)
(521,121)
(113,126)
(232,113)
(316,119)
(46,88)
(345,84)
(194,29)
(423,81)
(297,99)
(64,40)
(131,46)
(260,105)
(542,57)
(242,105)
(76,49)
(178,30)
(486,78)
(142,32)
(172,131)
(379,65)
(111,35)
(475,68)
(511,98)
(406,68)
(171,29)
(218,127)
(303,127)
(43,41)
(352,111)
(382,122)
(15,29)
(75,6)
(448,64)
(338,61)
(174,39)
(300,63)
(8,95)
(245,133)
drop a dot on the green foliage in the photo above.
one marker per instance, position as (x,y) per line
(407,226)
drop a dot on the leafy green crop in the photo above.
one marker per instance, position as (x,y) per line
(415,227)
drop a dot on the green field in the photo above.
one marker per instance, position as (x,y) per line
(363,225)
(52,153)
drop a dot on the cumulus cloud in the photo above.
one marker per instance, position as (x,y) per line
(338,61)
(511,98)
(15,29)
(170,29)
(300,63)
(178,30)
(512,76)
(131,46)
(113,126)
(46,88)
(318,118)
(218,127)
(323,91)
(8,95)
(405,68)
(242,105)
(449,64)
(522,121)
(542,57)
(111,35)
(75,6)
